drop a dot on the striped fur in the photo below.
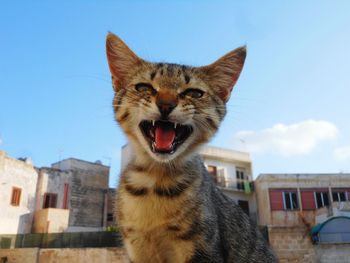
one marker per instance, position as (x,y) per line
(168,208)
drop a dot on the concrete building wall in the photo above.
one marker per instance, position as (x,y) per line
(20,255)
(21,174)
(111,207)
(265,182)
(66,255)
(52,181)
(50,220)
(291,244)
(90,174)
(87,192)
(87,201)
(290,230)
(339,253)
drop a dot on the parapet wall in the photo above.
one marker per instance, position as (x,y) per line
(66,255)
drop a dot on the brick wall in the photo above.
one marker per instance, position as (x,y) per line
(291,244)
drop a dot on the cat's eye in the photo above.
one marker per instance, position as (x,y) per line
(145,87)
(193,93)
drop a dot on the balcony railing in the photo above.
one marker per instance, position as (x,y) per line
(239,185)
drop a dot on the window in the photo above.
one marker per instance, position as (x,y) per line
(283,199)
(212,170)
(340,196)
(110,217)
(50,200)
(321,199)
(221,177)
(290,200)
(244,205)
(240,178)
(16,196)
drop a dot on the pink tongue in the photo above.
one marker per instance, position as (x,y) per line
(164,139)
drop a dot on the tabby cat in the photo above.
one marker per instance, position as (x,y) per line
(168,208)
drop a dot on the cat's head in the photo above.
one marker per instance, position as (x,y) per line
(167,110)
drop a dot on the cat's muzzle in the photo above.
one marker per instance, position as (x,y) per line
(163,136)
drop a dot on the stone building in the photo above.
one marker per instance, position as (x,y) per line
(18,180)
(70,196)
(307,215)
(231,171)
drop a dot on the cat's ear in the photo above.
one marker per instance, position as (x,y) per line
(224,73)
(121,60)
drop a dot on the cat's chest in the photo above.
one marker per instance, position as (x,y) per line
(144,205)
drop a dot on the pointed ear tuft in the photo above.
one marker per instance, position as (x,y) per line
(224,73)
(121,60)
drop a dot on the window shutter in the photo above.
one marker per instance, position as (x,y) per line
(308,200)
(65,196)
(276,200)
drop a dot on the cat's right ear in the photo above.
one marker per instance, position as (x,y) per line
(121,60)
(224,73)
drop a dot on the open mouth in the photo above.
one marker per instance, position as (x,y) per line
(165,136)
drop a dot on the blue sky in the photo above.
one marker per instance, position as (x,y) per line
(290,108)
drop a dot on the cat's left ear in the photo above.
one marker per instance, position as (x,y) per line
(122,60)
(224,73)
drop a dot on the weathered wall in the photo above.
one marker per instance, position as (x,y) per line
(87,201)
(81,255)
(339,253)
(21,174)
(50,220)
(291,244)
(87,195)
(266,181)
(97,174)
(20,255)
(68,255)
(52,181)
(111,205)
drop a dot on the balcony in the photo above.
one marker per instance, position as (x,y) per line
(244,186)
(50,220)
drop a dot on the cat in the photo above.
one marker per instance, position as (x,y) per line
(168,208)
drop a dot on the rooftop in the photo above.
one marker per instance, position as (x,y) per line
(303,176)
(224,154)
(98,162)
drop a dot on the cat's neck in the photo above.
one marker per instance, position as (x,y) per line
(179,166)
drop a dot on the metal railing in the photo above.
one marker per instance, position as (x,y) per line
(62,240)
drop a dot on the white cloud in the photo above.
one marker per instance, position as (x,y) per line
(342,153)
(295,139)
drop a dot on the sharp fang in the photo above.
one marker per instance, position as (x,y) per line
(153,122)
(175,124)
